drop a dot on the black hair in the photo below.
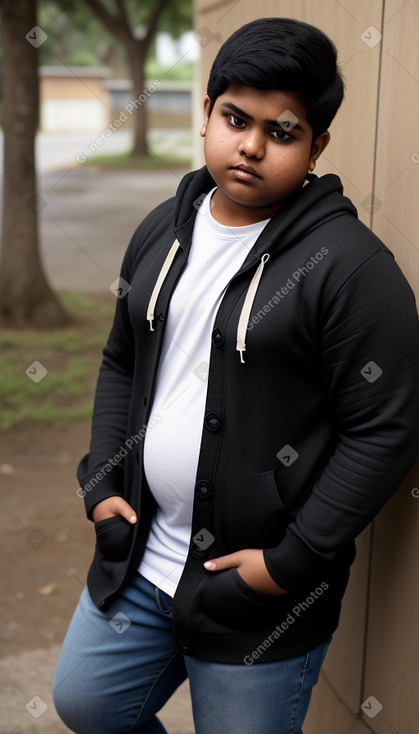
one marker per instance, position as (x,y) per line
(285,54)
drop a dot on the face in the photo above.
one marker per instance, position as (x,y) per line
(258,149)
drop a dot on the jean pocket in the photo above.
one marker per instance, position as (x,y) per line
(114,537)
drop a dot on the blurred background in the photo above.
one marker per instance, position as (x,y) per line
(100,110)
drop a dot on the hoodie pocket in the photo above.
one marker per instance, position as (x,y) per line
(113,537)
(225,604)
(223,599)
(248,592)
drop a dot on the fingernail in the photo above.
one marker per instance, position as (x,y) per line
(133,518)
(210,565)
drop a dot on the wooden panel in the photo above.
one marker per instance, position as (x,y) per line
(336,698)
(392,661)
(396,220)
(392,654)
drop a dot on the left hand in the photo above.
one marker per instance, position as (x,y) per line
(251,567)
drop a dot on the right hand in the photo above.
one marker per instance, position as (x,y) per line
(114,506)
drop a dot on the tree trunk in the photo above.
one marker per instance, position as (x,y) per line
(136,60)
(26,298)
(118,23)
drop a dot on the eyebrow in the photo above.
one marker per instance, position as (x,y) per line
(273,123)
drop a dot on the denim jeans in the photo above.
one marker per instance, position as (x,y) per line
(118,668)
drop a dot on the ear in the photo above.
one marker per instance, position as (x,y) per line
(318,147)
(207,107)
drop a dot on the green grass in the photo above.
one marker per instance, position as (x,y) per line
(71,357)
(161,156)
(146,163)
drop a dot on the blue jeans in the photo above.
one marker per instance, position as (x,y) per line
(117,669)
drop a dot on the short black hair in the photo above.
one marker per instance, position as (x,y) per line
(285,54)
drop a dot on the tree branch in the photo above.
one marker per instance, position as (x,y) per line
(120,4)
(114,23)
(154,22)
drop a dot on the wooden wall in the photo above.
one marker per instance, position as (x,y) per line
(370,679)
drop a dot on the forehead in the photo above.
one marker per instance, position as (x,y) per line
(264,104)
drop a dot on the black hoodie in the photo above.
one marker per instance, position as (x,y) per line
(311,419)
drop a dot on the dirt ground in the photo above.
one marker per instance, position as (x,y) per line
(45,549)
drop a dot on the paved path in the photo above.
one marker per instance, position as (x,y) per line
(88,218)
(61,150)
(86,215)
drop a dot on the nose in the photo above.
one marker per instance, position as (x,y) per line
(252,144)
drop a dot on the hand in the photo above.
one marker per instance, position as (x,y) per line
(114,506)
(251,567)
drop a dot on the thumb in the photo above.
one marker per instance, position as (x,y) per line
(124,509)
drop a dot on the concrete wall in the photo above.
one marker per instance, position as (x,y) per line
(370,678)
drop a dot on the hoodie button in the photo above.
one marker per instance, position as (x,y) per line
(212,421)
(217,338)
(198,552)
(203,489)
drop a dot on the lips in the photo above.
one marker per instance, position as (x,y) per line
(245,173)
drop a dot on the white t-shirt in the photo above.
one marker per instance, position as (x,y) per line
(171,448)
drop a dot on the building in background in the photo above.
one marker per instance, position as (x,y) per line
(73,99)
(87,99)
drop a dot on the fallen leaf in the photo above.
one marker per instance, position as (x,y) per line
(47,590)
(6,469)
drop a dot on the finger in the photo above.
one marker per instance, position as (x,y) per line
(219,564)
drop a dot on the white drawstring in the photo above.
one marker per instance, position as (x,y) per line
(247,307)
(159,282)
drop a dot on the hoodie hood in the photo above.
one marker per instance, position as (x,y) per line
(311,206)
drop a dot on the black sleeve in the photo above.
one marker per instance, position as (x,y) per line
(98,478)
(370,352)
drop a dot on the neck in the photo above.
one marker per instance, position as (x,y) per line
(232,214)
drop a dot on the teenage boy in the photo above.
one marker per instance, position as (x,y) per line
(257,404)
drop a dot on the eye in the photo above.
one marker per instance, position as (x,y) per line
(236,121)
(281,136)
